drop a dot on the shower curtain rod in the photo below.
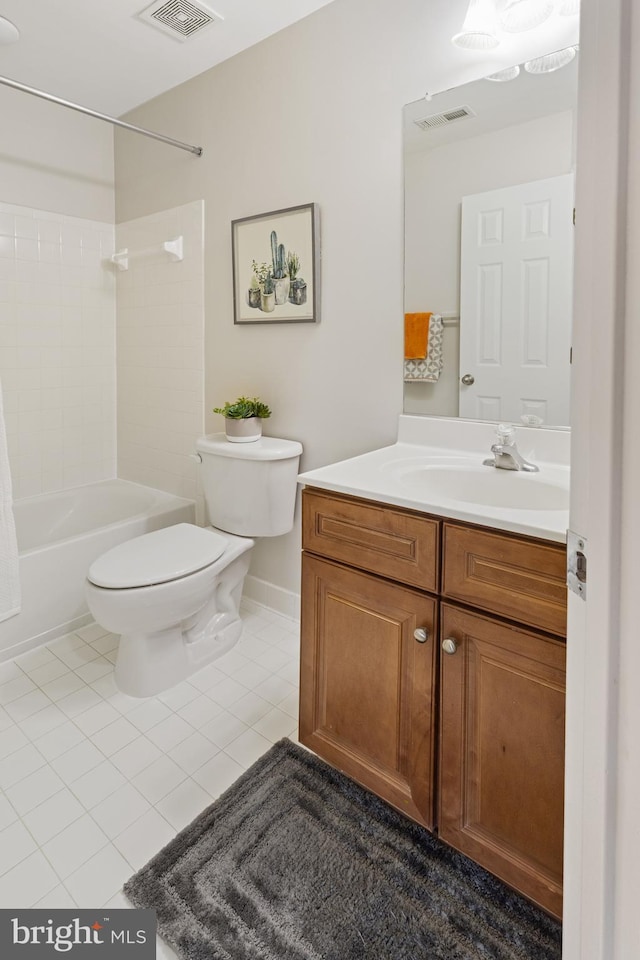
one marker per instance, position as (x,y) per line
(101,116)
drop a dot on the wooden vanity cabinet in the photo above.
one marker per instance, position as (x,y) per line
(367,702)
(389,709)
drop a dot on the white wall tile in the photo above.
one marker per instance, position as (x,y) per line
(58,322)
(160,361)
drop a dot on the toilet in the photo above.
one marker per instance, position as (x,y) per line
(174,595)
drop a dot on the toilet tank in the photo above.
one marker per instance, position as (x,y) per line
(250,488)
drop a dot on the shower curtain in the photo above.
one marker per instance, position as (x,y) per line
(9,572)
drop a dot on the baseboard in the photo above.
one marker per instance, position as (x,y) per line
(24,646)
(284,602)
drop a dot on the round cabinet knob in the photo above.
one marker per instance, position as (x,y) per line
(449,646)
(468,379)
(421,635)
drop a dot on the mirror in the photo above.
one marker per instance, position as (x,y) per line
(489,180)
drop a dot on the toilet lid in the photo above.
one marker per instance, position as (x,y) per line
(157,557)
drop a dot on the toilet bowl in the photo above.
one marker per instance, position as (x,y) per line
(174,595)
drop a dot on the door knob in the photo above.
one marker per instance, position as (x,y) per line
(421,635)
(449,646)
(468,379)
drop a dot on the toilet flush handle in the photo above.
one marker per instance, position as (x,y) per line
(196,456)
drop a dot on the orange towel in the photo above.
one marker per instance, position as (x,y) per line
(416,335)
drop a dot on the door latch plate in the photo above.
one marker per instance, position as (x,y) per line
(577,564)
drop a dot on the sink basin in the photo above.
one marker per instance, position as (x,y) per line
(477,484)
(451,481)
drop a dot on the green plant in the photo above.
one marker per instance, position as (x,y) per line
(260,271)
(293,264)
(267,286)
(278,257)
(244,407)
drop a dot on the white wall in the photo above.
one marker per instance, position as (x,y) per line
(55,159)
(308,115)
(314,113)
(161,350)
(435,182)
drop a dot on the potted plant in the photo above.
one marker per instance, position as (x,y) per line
(243,418)
(279,268)
(298,292)
(267,296)
(254,291)
(297,286)
(293,265)
(260,272)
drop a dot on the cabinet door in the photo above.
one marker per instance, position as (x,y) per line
(366,684)
(502,751)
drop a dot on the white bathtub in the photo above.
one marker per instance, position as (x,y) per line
(60,535)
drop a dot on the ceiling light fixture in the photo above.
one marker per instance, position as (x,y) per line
(9,33)
(509,73)
(487,20)
(551,62)
(479,27)
(569,8)
(520,15)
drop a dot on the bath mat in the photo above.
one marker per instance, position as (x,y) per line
(297,862)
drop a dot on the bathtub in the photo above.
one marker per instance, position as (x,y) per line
(60,535)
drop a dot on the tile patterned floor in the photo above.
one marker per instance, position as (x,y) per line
(93,782)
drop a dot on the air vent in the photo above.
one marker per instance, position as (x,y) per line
(180,19)
(441,119)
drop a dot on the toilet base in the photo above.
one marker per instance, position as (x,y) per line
(137,675)
(150,663)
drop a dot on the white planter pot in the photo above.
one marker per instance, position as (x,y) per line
(267,302)
(243,431)
(281,289)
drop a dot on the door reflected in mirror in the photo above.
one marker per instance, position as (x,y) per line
(489,188)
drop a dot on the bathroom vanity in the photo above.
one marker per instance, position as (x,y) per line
(433,654)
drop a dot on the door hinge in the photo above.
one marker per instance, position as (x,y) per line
(577,564)
(574,216)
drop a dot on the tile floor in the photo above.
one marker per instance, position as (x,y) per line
(93,783)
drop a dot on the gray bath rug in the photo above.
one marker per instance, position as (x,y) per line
(297,862)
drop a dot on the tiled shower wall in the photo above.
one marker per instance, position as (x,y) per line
(57,348)
(160,355)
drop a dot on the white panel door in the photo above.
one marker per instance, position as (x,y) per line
(516,281)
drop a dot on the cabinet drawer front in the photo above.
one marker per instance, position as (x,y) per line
(519,579)
(379,539)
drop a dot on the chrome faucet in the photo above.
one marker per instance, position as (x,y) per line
(506,455)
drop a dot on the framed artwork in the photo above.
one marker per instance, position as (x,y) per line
(276,266)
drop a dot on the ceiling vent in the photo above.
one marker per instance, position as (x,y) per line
(180,19)
(442,119)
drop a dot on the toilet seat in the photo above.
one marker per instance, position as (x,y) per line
(158,557)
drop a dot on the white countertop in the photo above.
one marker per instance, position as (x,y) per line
(444,479)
